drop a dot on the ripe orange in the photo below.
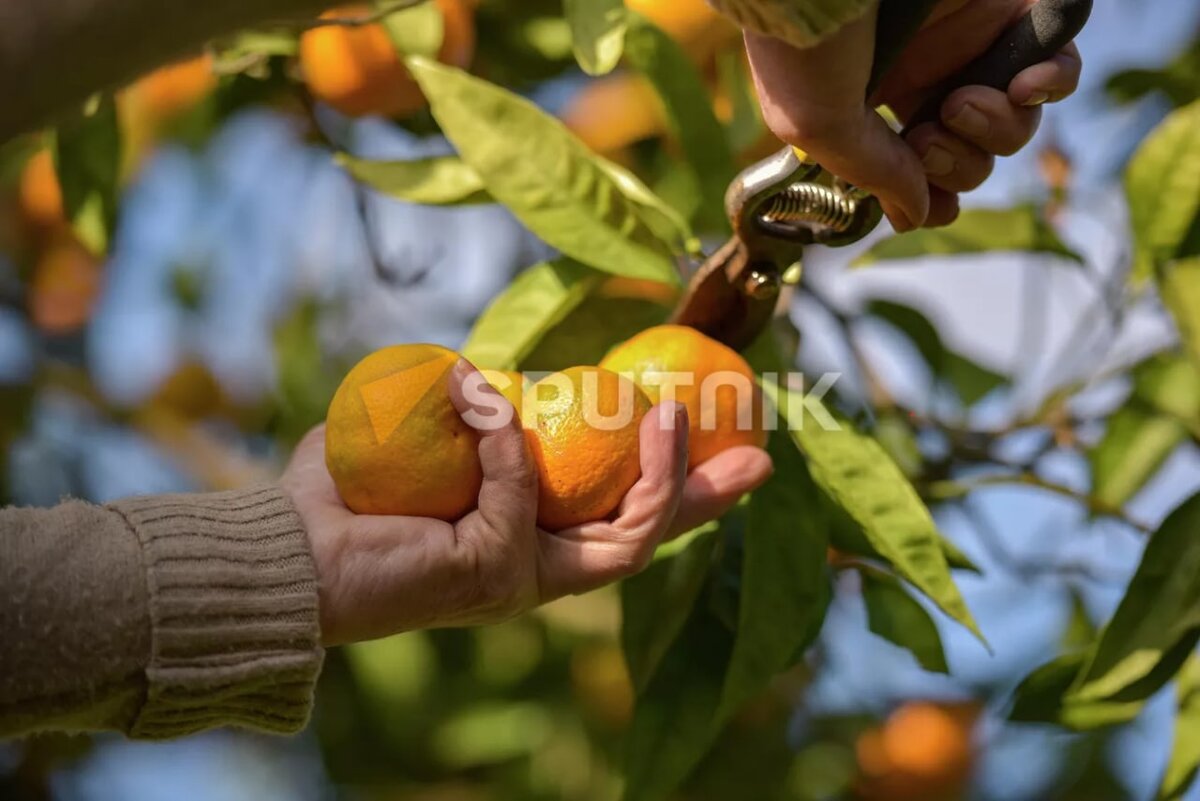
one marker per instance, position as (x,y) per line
(356,69)
(508,383)
(176,87)
(714,382)
(64,287)
(615,111)
(584,440)
(693,23)
(39,193)
(395,444)
(921,753)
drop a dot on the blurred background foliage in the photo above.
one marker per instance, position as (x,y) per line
(186,272)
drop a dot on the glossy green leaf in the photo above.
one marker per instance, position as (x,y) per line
(1135,444)
(416,31)
(436,181)
(859,477)
(1162,186)
(1179,286)
(746,127)
(1170,384)
(675,721)
(847,535)
(1159,615)
(689,114)
(1041,698)
(537,299)
(660,216)
(1021,228)
(1179,80)
(785,586)
(597,33)
(87,158)
(971,381)
(530,162)
(897,617)
(1185,753)
(656,603)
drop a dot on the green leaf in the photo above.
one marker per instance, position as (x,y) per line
(416,31)
(248,51)
(897,617)
(675,721)
(1179,287)
(847,536)
(1185,754)
(1041,698)
(436,181)
(1021,228)
(490,733)
(87,158)
(689,114)
(859,477)
(537,299)
(656,603)
(746,126)
(1135,444)
(1159,615)
(1162,186)
(1170,384)
(785,586)
(529,162)
(970,381)
(597,33)
(1179,80)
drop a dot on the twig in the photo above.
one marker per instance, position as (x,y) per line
(991,539)
(951,490)
(378,14)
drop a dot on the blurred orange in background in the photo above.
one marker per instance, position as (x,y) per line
(355,68)
(39,195)
(922,752)
(694,24)
(65,284)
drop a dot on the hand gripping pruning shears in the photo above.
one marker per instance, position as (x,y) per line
(779,205)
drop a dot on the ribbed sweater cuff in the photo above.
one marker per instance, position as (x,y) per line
(233,610)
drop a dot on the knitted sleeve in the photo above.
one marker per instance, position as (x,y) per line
(157,616)
(802,23)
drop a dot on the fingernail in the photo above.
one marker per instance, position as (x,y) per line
(672,415)
(938,161)
(970,121)
(1037,99)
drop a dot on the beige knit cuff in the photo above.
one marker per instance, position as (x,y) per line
(233,610)
(802,23)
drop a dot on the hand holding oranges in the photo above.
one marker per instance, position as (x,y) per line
(383,573)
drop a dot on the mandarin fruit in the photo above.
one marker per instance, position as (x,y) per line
(715,383)
(395,444)
(356,69)
(582,428)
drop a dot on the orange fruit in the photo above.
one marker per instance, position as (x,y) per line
(921,753)
(615,111)
(395,444)
(509,383)
(715,383)
(694,24)
(64,287)
(176,87)
(39,193)
(356,69)
(582,428)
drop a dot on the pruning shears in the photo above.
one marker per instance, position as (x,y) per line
(779,205)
